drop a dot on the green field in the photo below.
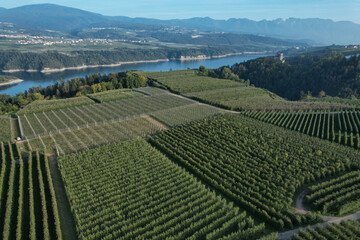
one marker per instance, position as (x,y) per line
(345,230)
(338,196)
(185,114)
(48,105)
(231,94)
(46,123)
(187,81)
(256,165)
(150,90)
(114,95)
(28,204)
(94,135)
(354,102)
(5,129)
(143,195)
(341,126)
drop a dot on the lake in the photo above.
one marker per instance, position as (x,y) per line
(32,79)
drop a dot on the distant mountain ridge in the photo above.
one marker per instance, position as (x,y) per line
(50,16)
(66,19)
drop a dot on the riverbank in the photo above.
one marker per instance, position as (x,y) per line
(11,82)
(182,58)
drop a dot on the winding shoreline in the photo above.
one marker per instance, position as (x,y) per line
(12,82)
(182,58)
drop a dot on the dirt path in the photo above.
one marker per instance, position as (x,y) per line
(289,234)
(66,218)
(300,202)
(300,208)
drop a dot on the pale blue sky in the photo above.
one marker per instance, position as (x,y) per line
(218,9)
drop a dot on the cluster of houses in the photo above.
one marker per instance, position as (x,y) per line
(353,46)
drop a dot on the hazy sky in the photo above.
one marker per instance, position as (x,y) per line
(218,9)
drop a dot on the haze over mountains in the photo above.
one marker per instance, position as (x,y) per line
(69,20)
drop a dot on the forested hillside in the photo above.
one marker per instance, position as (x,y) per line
(305,75)
(54,59)
(74,88)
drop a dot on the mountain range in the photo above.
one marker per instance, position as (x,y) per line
(315,31)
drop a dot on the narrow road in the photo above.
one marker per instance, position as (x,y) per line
(289,234)
(66,218)
(302,210)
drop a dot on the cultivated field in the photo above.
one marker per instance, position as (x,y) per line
(338,196)
(150,91)
(185,114)
(48,105)
(94,136)
(5,128)
(114,95)
(187,81)
(344,230)
(231,94)
(27,198)
(135,192)
(342,126)
(256,165)
(47,123)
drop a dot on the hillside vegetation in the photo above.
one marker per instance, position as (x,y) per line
(304,75)
(222,88)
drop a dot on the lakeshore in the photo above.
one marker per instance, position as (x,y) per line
(37,78)
(182,58)
(11,82)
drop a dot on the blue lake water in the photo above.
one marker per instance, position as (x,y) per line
(32,79)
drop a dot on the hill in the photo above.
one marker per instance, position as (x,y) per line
(50,16)
(314,30)
(335,75)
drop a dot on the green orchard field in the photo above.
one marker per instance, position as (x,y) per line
(48,105)
(233,95)
(28,203)
(114,95)
(345,230)
(340,126)
(136,192)
(256,165)
(186,81)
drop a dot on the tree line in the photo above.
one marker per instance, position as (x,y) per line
(13,59)
(73,88)
(299,77)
